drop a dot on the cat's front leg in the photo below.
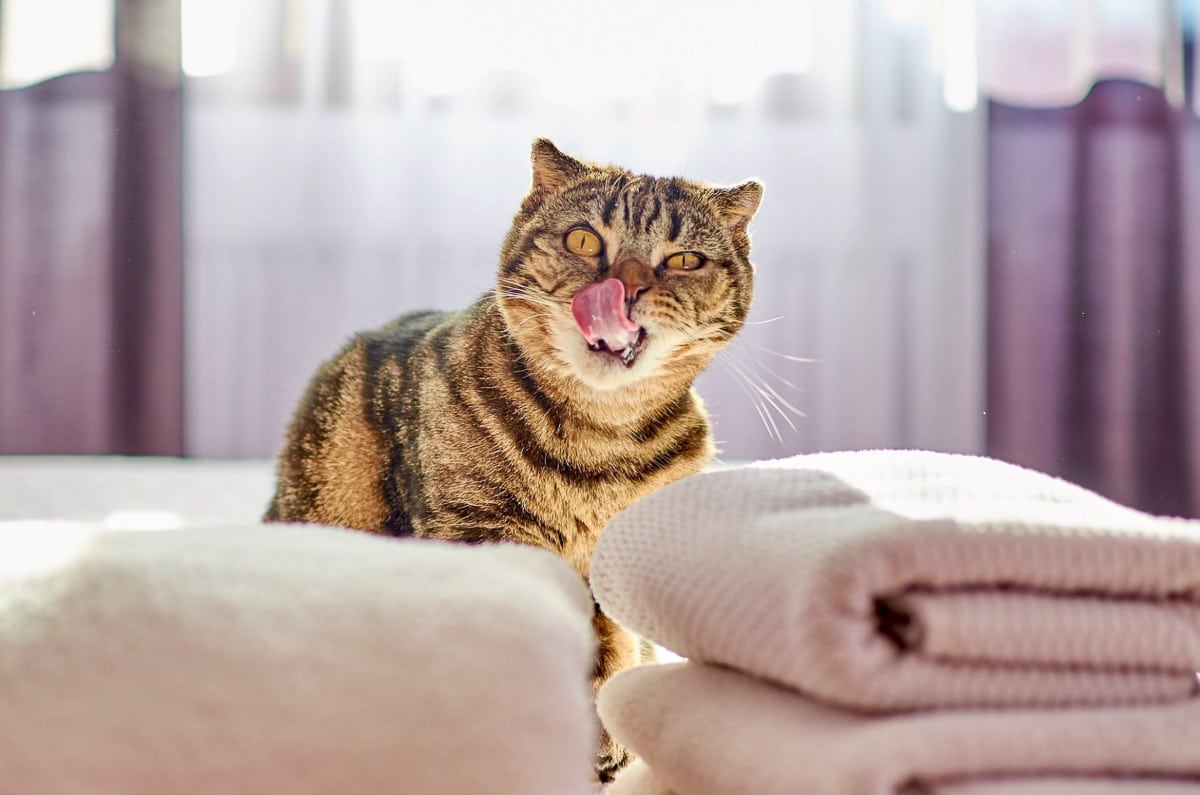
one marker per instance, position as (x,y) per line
(618,648)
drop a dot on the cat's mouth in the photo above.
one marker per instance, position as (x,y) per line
(602,315)
(627,355)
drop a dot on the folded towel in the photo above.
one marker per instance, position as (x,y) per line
(289,659)
(637,779)
(710,731)
(887,580)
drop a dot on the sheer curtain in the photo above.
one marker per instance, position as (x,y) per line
(350,161)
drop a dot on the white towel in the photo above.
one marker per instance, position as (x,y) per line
(289,659)
(637,779)
(711,731)
(886,580)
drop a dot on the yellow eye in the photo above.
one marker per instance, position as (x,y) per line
(583,242)
(685,261)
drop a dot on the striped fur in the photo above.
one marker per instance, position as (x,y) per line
(498,423)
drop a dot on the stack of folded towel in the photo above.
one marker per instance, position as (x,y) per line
(903,622)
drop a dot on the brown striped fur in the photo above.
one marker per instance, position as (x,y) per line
(498,423)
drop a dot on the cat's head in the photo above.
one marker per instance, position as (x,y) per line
(610,277)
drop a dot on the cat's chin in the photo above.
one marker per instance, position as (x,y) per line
(605,370)
(628,355)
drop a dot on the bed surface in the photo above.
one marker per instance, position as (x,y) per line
(227,656)
(132,493)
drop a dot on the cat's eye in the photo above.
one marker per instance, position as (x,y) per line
(583,242)
(685,261)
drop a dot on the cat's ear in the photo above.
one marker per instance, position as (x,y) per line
(738,205)
(551,170)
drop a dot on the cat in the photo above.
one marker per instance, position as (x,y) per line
(555,400)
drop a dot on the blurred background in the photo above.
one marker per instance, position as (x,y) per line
(981,231)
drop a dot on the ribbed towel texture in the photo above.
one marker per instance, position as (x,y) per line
(289,659)
(894,581)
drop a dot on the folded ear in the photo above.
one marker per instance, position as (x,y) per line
(739,203)
(737,206)
(551,171)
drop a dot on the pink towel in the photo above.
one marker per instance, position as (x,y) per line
(888,580)
(289,659)
(709,731)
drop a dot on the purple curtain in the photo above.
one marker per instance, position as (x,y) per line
(91,247)
(1094,294)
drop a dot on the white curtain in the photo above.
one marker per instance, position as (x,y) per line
(349,161)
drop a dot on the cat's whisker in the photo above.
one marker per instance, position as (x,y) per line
(763,322)
(522,294)
(747,359)
(766,398)
(751,363)
(508,292)
(771,397)
(763,401)
(537,310)
(534,301)
(534,320)
(789,357)
(738,379)
(794,410)
(512,285)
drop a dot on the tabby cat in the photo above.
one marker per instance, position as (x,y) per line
(555,400)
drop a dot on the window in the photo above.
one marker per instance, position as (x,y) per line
(40,39)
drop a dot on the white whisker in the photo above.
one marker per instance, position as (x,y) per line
(768,424)
(770,396)
(532,299)
(519,291)
(797,412)
(786,356)
(747,359)
(534,320)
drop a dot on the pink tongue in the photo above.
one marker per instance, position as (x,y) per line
(599,311)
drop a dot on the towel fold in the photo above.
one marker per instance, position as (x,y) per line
(289,659)
(892,580)
(709,731)
(637,779)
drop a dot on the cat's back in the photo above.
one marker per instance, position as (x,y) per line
(398,337)
(339,454)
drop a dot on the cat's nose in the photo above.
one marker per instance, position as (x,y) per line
(637,276)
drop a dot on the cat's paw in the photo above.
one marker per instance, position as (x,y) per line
(611,759)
